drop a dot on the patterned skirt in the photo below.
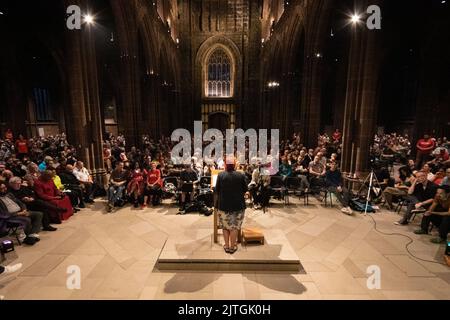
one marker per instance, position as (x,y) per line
(231,220)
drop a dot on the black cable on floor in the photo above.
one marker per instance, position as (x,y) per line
(407,245)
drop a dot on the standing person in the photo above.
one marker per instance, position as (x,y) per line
(337,135)
(230,190)
(22,147)
(425,147)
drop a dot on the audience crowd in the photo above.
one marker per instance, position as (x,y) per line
(42,181)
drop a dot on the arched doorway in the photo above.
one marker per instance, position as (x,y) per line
(219,121)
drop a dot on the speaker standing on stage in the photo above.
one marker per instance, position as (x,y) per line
(230,189)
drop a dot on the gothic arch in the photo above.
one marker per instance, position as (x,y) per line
(205,51)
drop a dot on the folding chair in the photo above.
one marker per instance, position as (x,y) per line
(328,194)
(277,184)
(13,229)
(293,186)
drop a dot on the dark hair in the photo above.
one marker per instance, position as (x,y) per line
(445,188)
(405,172)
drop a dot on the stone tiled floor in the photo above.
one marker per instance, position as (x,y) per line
(117,252)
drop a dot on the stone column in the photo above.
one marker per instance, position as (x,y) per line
(361,100)
(15,95)
(130,107)
(311,99)
(84,121)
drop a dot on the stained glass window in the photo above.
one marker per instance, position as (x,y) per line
(219,75)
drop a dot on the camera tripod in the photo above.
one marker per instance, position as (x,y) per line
(373,182)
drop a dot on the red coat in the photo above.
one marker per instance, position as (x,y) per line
(47,191)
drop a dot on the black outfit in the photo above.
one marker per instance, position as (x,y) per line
(188,177)
(35,218)
(440,221)
(443,222)
(35,205)
(305,163)
(18,171)
(70,182)
(420,194)
(333,181)
(230,189)
(383,174)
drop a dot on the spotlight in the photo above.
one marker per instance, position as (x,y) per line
(356,18)
(89,19)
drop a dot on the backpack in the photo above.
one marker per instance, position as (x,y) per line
(360,206)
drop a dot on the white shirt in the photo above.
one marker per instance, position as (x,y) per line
(82,175)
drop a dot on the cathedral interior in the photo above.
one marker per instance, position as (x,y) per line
(306,67)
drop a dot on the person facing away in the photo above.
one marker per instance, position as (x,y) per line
(230,189)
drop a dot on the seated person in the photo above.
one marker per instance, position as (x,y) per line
(46,190)
(302,164)
(439,177)
(117,185)
(26,194)
(87,183)
(420,196)
(446,180)
(401,187)
(382,174)
(333,178)
(411,165)
(285,168)
(441,158)
(427,169)
(153,188)
(15,211)
(259,188)
(317,173)
(438,214)
(44,164)
(136,186)
(188,178)
(72,187)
